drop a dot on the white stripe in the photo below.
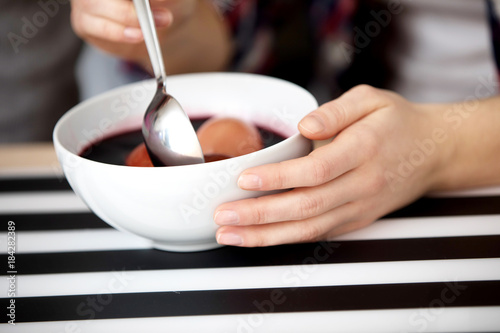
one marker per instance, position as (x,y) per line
(67,201)
(472,225)
(306,275)
(41,202)
(76,240)
(111,239)
(458,319)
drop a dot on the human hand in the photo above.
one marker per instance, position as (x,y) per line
(112,25)
(346,184)
(183,27)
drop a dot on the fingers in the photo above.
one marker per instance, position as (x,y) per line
(112,20)
(309,230)
(118,11)
(342,219)
(104,29)
(329,119)
(298,204)
(343,154)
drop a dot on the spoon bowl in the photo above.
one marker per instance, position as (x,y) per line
(168,133)
(166,144)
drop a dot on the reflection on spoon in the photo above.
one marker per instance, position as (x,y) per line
(168,133)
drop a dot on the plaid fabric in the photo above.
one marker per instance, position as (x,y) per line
(271,36)
(297,40)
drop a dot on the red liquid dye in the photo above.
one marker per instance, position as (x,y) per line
(115,149)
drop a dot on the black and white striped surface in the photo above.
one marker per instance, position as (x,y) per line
(433,266)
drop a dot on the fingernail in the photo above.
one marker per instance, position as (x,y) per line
(312,123)
(226,217)
(229,239)
(250,182)
(162,18)
(132,33)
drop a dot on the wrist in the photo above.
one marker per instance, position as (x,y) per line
(441,145)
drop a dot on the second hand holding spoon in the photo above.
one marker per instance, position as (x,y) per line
(168,133)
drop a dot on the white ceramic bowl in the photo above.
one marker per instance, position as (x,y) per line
(174,206)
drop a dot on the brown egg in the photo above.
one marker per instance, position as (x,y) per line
(220,138)
(228,136)
(139,157)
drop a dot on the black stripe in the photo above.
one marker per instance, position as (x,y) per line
(277,300)
(34,184)
(458,206)
(295,254)
(425,207)
(54,221)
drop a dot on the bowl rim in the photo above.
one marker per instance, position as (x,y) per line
(115,91)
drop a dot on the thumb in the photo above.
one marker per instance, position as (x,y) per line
(332,117)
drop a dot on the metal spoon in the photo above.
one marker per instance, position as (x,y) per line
(168,133)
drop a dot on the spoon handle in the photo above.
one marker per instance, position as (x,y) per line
(146,20)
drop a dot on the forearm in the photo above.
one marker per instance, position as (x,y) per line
(471,155)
